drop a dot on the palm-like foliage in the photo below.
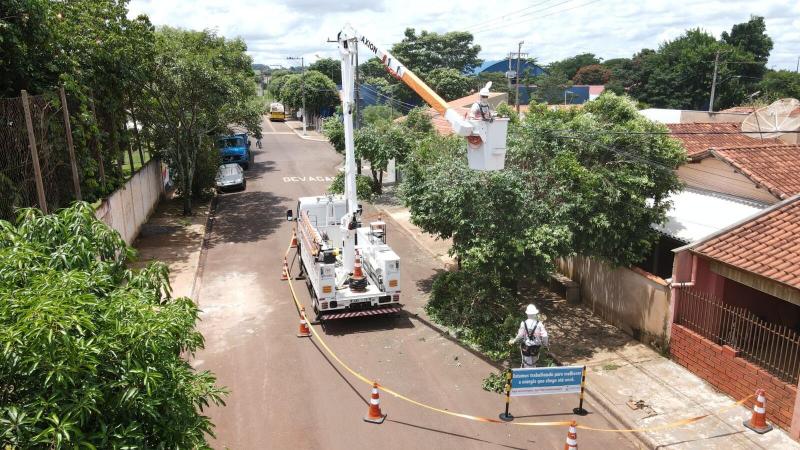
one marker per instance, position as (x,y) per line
(90,352)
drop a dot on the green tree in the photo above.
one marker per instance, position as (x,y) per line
(333,129)
(751,37)
(90,351)
(550,87)
(319,92)
(378,115)
(780,84)
(575,182)
(276,82)
(592,75)
(203,82)
(380,143)
(450,84)
(418,120)
(570,66)
(330,67)
(426,51)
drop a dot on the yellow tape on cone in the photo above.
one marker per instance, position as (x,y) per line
(487,419)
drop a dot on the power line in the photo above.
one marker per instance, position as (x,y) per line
(525,15)
(485,22)
(538,17)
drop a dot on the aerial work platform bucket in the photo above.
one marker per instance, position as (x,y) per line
(488,152)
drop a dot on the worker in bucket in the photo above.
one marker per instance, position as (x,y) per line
(531,336)
(480,110)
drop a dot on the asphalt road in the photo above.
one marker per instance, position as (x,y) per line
(286,392)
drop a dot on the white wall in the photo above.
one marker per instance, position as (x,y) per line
(129,207)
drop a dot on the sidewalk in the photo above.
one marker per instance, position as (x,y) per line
(175,240)
(311,134)
(639,386)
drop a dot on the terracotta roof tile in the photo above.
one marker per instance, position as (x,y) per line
(699,137)
(773,252)
(775,167)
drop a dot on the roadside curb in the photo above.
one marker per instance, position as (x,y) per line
(201,261)
(599,401)
(307,138)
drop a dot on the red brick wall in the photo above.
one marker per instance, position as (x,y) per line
(732,375)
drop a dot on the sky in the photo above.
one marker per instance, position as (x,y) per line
(550,29)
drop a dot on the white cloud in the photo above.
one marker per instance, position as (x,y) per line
(551,29)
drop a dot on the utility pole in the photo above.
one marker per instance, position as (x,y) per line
(797,69)
(302,86)
(713,83)
(519,55)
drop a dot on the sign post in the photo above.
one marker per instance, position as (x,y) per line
(545,381)
(506,416)
(579,410)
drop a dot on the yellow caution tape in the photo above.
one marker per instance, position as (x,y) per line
(478,418)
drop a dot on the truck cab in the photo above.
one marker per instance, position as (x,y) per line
(235,148)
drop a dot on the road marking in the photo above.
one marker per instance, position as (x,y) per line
(306,179)
(278,132)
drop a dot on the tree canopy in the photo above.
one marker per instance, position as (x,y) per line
(90,352)
(569,187)
(320,92)
(570,66)
(330,67)
(203,83)
(426,51)
(592,74)
(450,84)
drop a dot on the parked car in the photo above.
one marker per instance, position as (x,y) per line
(231,176)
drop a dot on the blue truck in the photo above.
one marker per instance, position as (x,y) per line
(235,149)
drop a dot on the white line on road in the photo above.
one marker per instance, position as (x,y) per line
(305,179)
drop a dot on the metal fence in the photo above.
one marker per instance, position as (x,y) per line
(38,165)
(774,347)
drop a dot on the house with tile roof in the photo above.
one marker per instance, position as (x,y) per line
(736,313)
(761,171)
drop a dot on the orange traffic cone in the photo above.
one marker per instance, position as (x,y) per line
(374,414)
(758,421)
(285,270)
(358,282)
(572,437)
(304,330)
(294,240)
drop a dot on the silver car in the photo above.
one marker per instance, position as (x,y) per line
(230,176)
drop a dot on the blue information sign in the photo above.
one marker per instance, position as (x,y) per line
(546,380)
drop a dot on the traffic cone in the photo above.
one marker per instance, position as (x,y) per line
(374,414)
(572,437)
(304,330)
(294,240)
(758,421)
(358,282)
(285,271)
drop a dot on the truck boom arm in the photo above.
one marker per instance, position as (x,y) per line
(460,126)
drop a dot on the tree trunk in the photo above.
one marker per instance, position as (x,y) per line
(376,185)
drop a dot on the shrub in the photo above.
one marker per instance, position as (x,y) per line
(90,351)
(363,186)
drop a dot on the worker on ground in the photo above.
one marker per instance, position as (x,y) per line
(531,336)
(481,110)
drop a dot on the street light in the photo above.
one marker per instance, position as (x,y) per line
(302,86)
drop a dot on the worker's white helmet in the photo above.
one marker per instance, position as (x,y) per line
(531,310)
(485,90)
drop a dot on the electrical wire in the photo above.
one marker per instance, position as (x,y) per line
(479,28)
(509,13)
(535,18)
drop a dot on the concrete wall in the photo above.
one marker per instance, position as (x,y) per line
(629,298)
(737,377)
(128,208)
